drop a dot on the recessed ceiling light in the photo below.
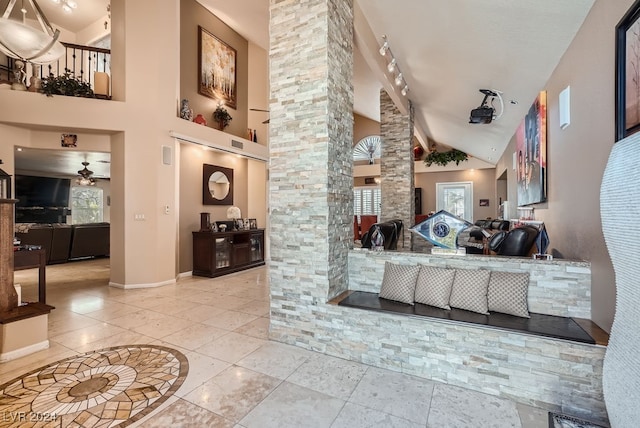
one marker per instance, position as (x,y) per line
(19,149)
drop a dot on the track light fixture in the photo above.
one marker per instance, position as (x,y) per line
(393,67)
(384,48)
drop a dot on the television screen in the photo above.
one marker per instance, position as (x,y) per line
(34,191)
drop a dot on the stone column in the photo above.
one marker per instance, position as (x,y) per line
(396,166)
(310,171)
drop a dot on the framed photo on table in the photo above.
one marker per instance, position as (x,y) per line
(628,73)
(216,69)
(253,223)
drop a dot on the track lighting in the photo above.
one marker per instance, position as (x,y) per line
(384,48)
(393,67)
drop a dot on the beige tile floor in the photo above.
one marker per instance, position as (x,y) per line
(237,377)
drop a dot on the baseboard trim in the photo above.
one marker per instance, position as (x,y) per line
(22,352)
(185,274)
(147,285)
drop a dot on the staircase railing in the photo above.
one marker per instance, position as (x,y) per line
(88,63)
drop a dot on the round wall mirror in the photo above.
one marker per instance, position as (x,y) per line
(219,185)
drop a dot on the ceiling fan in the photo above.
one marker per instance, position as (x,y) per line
(85,176)
(258,109)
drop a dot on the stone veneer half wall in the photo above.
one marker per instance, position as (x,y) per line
(558,375)
(556,287)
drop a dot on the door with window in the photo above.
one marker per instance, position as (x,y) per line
(456,198)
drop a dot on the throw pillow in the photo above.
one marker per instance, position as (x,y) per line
(434,286)
(399,282)
(469,290)
(508,293)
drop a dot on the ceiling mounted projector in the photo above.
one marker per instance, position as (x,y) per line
(486,113)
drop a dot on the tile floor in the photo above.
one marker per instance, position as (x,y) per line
(237,377)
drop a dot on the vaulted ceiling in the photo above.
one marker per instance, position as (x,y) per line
(447,51)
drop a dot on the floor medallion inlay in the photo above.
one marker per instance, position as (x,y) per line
(110,387)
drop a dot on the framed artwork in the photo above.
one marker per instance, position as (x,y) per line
(628,73)
(531,154)
(69,140)
(484,202)
(253,223)
(216,69)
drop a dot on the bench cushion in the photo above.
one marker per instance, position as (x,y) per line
(469,291)
(550,326)
(434,286)
(508,293)
(399,282)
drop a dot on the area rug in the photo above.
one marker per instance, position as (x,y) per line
(563,421)
(105,388)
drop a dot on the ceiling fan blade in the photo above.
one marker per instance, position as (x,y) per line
(258,109)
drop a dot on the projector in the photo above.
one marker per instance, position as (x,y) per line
(482,114)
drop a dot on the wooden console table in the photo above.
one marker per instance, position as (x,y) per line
(220,253)
(28,259)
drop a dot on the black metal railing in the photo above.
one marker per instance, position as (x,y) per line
(82,62)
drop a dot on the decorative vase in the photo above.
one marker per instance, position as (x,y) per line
(186,113)
(200,120)
(619,203)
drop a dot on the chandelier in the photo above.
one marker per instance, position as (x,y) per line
(85,176)
(20,41)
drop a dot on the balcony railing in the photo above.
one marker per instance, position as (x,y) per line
(83,62)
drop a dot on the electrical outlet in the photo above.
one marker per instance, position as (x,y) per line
(166,209)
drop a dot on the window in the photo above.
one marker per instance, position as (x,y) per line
(366,200)
(456,199)
(86,204)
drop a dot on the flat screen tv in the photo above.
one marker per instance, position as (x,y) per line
(34,191)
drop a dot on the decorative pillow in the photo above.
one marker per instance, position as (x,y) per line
(469,290)
(399,282)
(508,293)
(434,286)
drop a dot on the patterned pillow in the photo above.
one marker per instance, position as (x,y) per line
(399,282)
(434,286)
(508,293)
(469,290)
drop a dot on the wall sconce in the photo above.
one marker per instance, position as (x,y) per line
(392,67)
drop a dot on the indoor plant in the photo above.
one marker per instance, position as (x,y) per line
(67,85)
(222,117)
(443,158)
